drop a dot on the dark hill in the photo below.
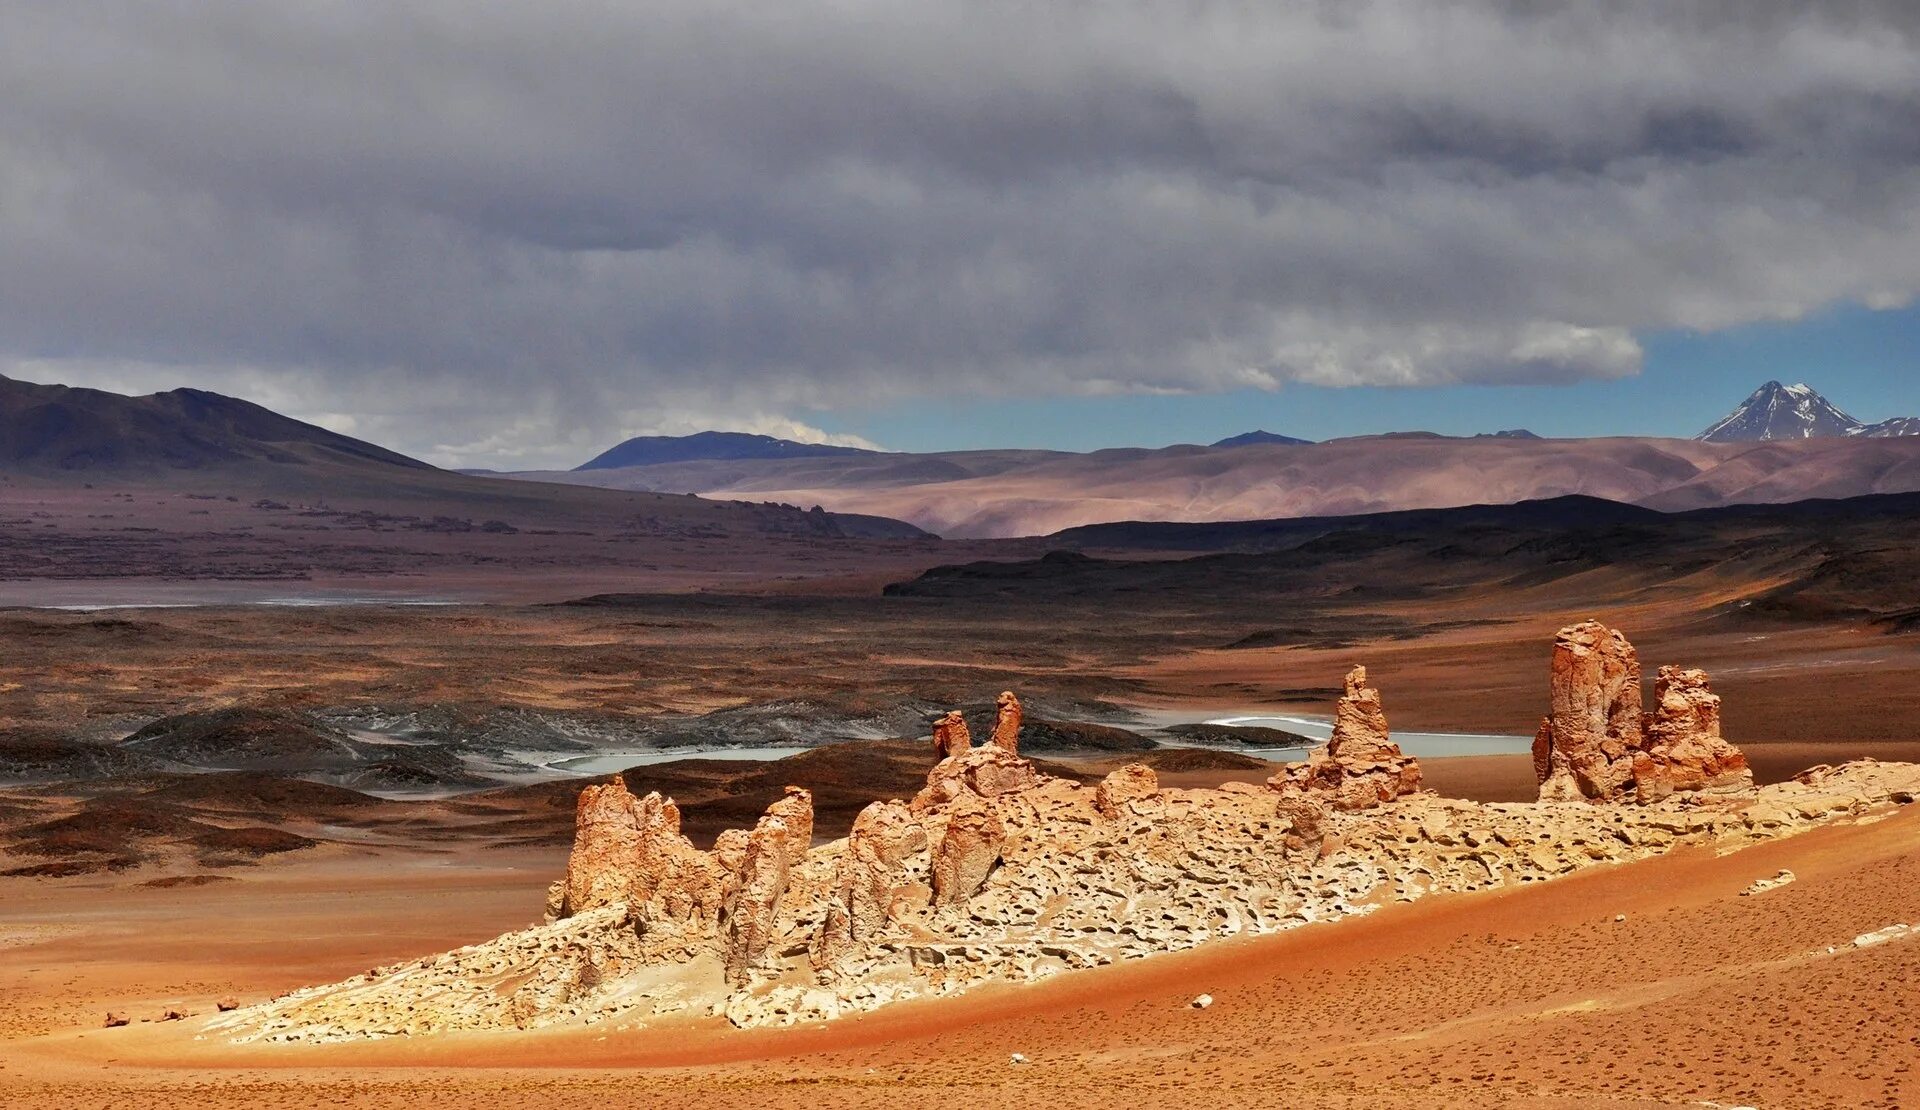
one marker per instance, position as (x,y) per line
(57,427)
(1247,439)
(651,450)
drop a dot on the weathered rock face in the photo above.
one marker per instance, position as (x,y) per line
(950,735)
(987,771)
(967,851)
(1585,746)
(751,913)
(1006,722)
(1132,783)
(795,808)
(866,881)
(1683,747)
(1596,743)
(606,838)
(1360,767)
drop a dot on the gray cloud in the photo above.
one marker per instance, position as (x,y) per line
(512,232)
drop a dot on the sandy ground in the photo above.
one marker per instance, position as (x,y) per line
(1540,996)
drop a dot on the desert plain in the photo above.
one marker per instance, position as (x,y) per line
(407,788)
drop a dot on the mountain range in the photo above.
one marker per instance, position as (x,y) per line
(1784,444)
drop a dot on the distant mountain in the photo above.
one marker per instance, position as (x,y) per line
(1506,433)
(1776,412)
(1887,429)
(60,428)
(1245,439)
(701,446)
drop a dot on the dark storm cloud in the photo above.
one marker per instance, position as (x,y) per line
(489,231)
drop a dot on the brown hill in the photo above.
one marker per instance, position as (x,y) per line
(1025,493)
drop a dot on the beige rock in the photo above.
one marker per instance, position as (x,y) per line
(967,852)
(795,808)
(988,771)
(1132,783)
(1683,747)
(867,881)
(1597,744)
(751,914)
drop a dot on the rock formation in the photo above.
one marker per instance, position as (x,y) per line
(997,874)
(1597,744)
(606,837)
(867,880)
(987,771)
(967,852)
(1006,722)
(1584,746)
(752,910)
(1683,749)
(1132,783)
(795,808)
(1360,767)
(950,736)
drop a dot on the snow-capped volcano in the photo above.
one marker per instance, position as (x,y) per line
(1776,411)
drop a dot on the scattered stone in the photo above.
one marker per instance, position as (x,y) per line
(115,1019)
(174,1014)
(1882,935)
(1202,1002)
(227,1004)
(1761,886)
(1017,1058)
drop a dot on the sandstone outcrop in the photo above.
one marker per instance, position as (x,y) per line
(1596,742)
(950,736)
(795,810)
(1133,783)
(751,912)
(1360,766)
(1683,748)
(867,880)
(1006,722)
(968,850)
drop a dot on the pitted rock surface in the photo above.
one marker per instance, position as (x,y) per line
(1075,877)
(1116,793)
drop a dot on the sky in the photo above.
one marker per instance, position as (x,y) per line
(509,235)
